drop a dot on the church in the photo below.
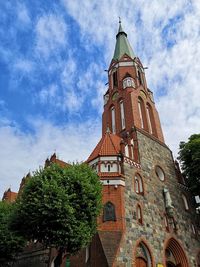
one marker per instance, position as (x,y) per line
(148,217)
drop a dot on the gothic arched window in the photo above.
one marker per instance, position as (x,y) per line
(139,184)
(149,118)
(109,212)
(140,80)
(113,120)
(151,121)
(121,103)
(114,76)
(142,113)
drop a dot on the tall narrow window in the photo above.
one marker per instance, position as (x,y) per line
(132,148)
(108,167)
(149,119)
(139,214)
(109,212)
(138,184)
(113,120)
(126,151)
(140,77)
(141,113)
(122,115)
(115,78)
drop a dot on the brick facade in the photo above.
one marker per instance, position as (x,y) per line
(148,218)
(155,223)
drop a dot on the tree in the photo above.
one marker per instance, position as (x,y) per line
(59,206)
(10,242)
(189,156)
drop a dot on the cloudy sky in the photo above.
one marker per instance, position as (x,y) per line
(53,54)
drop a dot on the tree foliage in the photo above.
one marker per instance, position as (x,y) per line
(189,156)
(59,206)
(10,242)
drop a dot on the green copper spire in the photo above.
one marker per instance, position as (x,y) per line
(122,44)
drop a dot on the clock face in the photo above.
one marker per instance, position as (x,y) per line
(128,82)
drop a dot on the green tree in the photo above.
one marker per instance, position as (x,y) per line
(189,156)
(10,242)
(59,206)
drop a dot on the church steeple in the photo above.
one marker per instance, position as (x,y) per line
(122,45)
(128,102)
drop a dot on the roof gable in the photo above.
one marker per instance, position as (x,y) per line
(109,145)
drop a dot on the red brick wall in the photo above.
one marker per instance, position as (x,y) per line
(116,196)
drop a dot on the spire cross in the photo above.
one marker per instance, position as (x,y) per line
(120,20)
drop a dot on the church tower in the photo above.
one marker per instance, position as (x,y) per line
(128,103)
(148,217)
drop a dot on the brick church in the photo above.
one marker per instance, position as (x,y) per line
(148,217)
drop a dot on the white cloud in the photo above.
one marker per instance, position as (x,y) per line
(72,101)
(23,65)
(23,14)
(97,101)
(49,94)
(69,72)
(51,34)
(79,86)
(21,153)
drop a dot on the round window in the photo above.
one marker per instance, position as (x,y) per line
(160,173)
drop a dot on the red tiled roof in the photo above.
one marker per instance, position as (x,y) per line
(54,159)
(109,145)
(9,196)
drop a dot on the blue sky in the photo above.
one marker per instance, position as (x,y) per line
(52,60)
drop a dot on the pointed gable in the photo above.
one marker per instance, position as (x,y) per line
(109,145)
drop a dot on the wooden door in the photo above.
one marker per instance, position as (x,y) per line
(140,262)
(170,264)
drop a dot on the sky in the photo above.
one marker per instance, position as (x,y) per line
(53,54)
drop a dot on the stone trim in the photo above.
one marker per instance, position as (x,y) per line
(131,162)
(179,252)
(113,182)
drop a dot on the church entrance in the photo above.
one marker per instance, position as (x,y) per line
(142,256)
(140,262)
(175,255)
(170,264)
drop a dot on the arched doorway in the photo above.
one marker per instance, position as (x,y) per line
(140,262)
(142,257)
(175,255)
